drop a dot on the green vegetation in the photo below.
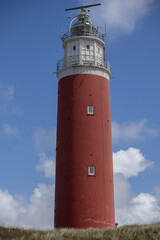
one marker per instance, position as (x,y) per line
(130,232)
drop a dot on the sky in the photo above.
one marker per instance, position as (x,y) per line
(30,47)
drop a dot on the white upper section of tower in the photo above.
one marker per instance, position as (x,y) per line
(83,45)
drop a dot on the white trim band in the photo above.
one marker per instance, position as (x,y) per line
(100,71)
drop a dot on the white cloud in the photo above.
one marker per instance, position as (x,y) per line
(8,208)
(44,139)
(6,94)
(143,204)
(129,162)
(141,209)
(121,16)
(122,191)
(9,131)
(132,131)
(131,209)
(46,165)
(38,214)
(7,103)
(157,192)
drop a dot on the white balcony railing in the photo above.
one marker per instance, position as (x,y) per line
(82,60)
(68,35)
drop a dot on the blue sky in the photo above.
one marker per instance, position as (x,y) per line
(30,47)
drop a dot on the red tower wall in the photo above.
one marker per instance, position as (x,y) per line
(83,140)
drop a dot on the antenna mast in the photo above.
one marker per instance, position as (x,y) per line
(82,7)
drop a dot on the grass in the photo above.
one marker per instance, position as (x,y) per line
(130,232)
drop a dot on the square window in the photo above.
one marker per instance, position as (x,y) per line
(90,110)
(88,47)
(91,170)
(74,48)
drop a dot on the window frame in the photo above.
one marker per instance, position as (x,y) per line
(94,171)
(88,110)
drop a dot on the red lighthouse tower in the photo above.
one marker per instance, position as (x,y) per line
(84,195)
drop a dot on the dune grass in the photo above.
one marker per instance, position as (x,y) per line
(130,232)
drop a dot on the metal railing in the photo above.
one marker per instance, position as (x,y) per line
(68,35)
(107,64)
(82,60)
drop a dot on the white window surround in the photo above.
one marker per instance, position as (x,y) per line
(91,170)
(90,110)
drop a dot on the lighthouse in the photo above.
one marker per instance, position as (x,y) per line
(84,192)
